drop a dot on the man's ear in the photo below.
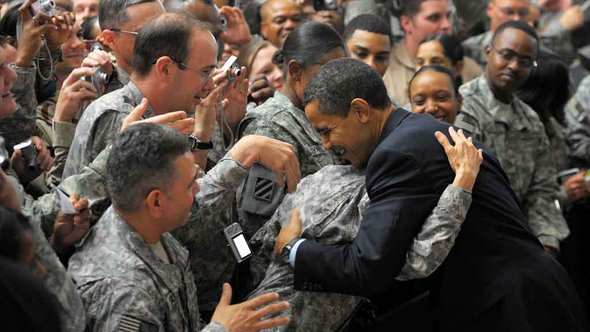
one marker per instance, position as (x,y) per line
(405,23)
(164,67)
(108,38)
(295,70)
(361,110)
(153,202)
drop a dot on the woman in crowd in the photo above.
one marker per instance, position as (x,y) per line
(433,89)
(264,76)
(443,50)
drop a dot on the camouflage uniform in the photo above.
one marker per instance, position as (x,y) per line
(336,218)
(56,280)
(555,38)
(277,118)
(99,124)
(20,126)
(209,254)
(475,47)
(126,287)
(578,119)
(118,79)
(516,135)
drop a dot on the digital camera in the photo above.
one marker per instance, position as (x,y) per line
(319,5)
(46,7)
(233,69)
(98,79)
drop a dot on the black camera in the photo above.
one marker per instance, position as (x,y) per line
(98,79)
(46,7)
(319,5)
(4,157)
(29,153)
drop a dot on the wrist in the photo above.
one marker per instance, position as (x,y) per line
(465,180)
(23,61)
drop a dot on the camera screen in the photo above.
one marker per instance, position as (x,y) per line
(242,245)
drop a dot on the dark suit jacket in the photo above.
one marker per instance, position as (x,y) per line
(496,259)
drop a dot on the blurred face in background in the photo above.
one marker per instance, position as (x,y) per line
(7,76)
(500,11)
(73,48)
(433,17)
(262,64)
(371,48)
(84,9)
(279,18)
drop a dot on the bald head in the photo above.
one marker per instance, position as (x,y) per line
(500,11)
(278,19)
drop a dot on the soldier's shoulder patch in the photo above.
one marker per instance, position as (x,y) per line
(133,324)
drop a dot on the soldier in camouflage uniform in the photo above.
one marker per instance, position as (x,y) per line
(335,219)
(578,119)
(282,118)
(498,11)
(131,273)
(514,131)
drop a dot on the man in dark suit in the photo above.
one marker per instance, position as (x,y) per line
(497,276)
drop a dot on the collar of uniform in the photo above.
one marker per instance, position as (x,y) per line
(494,106)
(400,52)
(122,76)
(136,97)
(393,122)
(170,274)
(517,119)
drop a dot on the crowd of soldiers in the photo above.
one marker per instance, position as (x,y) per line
(346,165)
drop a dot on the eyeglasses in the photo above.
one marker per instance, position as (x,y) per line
(135,33)
(508,11)
(509,55)
(206,74)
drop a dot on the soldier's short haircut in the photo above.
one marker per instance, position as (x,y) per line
(113,13)
(164,35)
(179,5)
(370,23)
(142,159)
(518,25)
(340,81)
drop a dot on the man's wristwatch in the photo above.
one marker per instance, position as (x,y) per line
(197,144)
(286,251)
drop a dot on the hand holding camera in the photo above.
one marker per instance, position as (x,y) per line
(30,159)
(236,93)
(75,92)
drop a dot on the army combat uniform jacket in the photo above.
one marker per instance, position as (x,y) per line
(516,135)
(126,287)
(331,204)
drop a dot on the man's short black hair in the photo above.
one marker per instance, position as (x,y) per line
(519,25)
(164,35)
(113,13)
(340,81)
(141,159)
(370,23)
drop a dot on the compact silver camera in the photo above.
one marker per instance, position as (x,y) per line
(233,69)
(46,7)
(98,79)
